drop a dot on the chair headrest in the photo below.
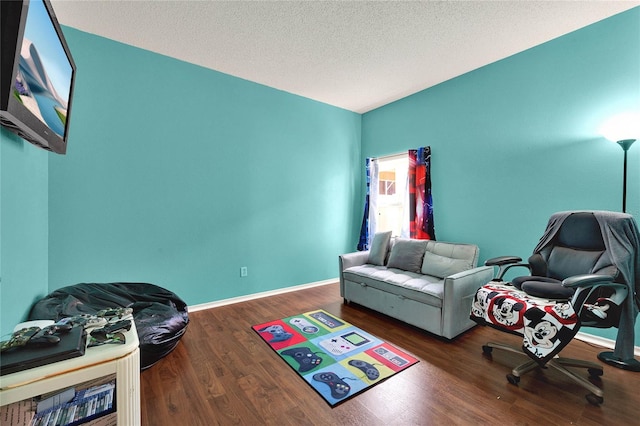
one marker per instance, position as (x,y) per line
(581,231)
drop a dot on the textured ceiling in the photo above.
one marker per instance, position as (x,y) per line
(355,55)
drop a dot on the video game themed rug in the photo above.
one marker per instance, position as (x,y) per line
(334,357)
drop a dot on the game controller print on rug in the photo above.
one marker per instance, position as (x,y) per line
(335,358)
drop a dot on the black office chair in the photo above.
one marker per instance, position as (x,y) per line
(584,271)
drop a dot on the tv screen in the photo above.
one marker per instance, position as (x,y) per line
(37,103)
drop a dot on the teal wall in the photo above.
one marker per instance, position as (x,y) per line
(179,175)
(517,140)
(23,228)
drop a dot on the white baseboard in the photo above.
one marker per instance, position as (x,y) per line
(601,341)
(585,337)
(230,301)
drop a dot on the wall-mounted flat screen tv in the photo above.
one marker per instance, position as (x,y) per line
(36,75)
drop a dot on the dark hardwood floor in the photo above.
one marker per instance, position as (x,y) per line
(222,373)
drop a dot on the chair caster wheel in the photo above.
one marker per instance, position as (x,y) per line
(514,380)
(595,372)
(594,399)
(487,349)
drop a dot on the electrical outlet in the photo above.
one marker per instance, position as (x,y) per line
(244,271)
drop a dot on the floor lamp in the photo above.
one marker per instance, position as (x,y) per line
(625,144)
(624,130)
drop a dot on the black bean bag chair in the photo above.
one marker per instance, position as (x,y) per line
(160,316)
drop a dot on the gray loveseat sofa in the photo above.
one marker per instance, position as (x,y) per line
(428,284)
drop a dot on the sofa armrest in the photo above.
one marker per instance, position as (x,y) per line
(347,261)
(459,292)
(353,259)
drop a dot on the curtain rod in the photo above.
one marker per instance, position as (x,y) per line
(391,156)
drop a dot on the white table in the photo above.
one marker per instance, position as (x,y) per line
(97,362)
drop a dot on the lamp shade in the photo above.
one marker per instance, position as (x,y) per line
(622,127)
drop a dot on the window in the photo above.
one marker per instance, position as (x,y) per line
(387,183)
(392,187)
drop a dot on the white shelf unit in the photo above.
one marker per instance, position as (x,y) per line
(97,362)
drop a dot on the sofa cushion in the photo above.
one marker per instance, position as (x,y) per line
(468,252)
(392,241)
(443,266)
(415,286)
(379,247)
(407,254)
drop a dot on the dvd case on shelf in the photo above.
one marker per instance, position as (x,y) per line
(87,404)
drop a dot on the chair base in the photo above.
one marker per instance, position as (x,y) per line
(625,364)
(558,363)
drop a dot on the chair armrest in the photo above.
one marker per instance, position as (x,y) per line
(459,291)
(588,280)
(502,260)
(504,263)
(347,261)
(589,284)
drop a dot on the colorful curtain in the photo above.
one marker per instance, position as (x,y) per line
(363,243)
(374,183)
(420,201)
